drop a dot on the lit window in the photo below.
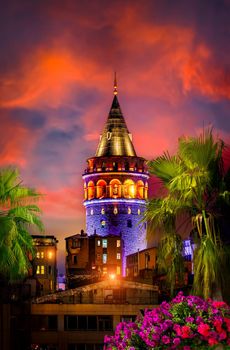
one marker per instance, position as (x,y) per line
(129,210)
(104,270)
(138,211)
(51,284)
(115,211)
(103,223)
(118,256)
(38,255)
(129,223)
(50,255)
(118,270)
(42,255)
(38,270)
(98,242)
(104,243)
(102,211)
(104,258)
(91,211)
(42,269)
(118,243)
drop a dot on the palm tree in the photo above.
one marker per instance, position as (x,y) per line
(196,185)
(17,213)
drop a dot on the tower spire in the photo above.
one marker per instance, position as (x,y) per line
(115,84)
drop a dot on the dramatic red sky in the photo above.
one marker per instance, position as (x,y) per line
(56,81)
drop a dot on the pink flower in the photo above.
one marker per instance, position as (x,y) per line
(218,325)
(185,332)
(223,335)
(218,304)
(176,341)
(203,329)
(186,347)
(165,339)
(177,329)
(212,341)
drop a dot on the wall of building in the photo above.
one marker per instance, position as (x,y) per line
(65,332)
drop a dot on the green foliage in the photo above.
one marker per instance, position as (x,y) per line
(17,213)
(196,185)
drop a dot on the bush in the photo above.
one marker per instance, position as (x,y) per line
(187,322)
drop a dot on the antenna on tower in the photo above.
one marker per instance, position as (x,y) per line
(115,84)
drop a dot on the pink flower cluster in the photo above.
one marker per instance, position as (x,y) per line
(187,322)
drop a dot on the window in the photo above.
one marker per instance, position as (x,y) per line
(42,269)
(118,256)
(104,258)
(74,259)
(115,211)
(38,255)
(105,323)
(129,210)
(103,223)
(138,212)
(42,255)
(102,211)
(52,322)
(104,243)
(38,270)
(98,256)
(129,318)
(98,242)
(91,211)
(118,243)
(50,270)
(129,223)
(51,284)
(118,270)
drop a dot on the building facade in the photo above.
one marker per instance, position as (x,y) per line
(79,319)
(116,185)
(92,258)
(45,263)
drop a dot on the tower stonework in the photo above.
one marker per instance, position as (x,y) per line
(116,186)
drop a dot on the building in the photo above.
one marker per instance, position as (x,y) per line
(45,263)
(78,319)
(116,185)
(91,258)
(141,264)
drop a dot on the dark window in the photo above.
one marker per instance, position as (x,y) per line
(75,259)
(50,270)
(52,322)
(71,347)
(70,322)
(92,323)
(130,318)
(129,223)
(80,346)
(105,323)
(82,322)
(99,346)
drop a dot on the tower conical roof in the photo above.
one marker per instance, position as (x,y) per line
(115,139)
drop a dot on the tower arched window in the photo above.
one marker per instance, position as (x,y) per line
(115,188)
(91,190)
(140,189)
(101,189)
(85,191)
(129,189)
(146,190)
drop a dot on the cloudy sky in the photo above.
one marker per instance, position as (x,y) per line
(56,82)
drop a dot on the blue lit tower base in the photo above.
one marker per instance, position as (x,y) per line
(116,186)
